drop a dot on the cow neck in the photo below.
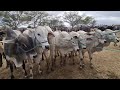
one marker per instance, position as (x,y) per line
(96,40)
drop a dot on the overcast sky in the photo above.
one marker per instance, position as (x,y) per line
(102,17)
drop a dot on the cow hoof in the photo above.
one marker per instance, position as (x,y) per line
(0,66)
(83,66)
(80,67)
(73,63)
(52,69)
(7,67)
(61,64)
(91,66)
(31,77)
(55,65)
(25,61)
(25,76)
(12,77)
(40,72)
(64,64)
(47,72)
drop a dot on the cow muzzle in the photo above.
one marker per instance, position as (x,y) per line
(105,41)
(84,48)
(47,47)
(34,56)
(117,40)
(77,49)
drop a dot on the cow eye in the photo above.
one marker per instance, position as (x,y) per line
(24,45)
(38,34)
(73,42)
(75,37)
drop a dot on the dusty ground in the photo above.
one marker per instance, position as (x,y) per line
(106,66)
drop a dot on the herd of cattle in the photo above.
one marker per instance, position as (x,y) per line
(86,28)
(31,45)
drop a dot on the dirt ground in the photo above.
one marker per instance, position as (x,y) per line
(106,66)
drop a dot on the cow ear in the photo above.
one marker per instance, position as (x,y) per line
(50,37)
(51,34)
(16,41)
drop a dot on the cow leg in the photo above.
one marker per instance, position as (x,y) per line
(75,53)
(42,56)
(83,54)
(69,55)
(7,64)
(115,44)
(25,61)
(24,68)
(90,57)
(54,56)
(72,53)
(4,55)
(54,63)
(58,53)
(1,60)
(11,70)
(48,65)
(14,66)
(47,61)
(31,70)
(83,64)
(64,62)
(81,59)
(39,69)
(61,57)
(47,71)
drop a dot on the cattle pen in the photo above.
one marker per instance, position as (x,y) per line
(106,66)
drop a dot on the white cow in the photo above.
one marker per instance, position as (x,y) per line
(64,43)
(40,37)
(18,47)
(93,43)
(91,40)
(110,36)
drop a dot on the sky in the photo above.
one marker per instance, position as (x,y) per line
(102,17)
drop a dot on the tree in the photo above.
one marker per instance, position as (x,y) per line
(73,18)
(88,20)
(37,17)
(12,18)
(56,22)
(53,21)
(93,23)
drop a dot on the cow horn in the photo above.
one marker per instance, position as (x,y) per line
(8,41)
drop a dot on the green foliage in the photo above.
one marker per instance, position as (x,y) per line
(16,18)
(74,19)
